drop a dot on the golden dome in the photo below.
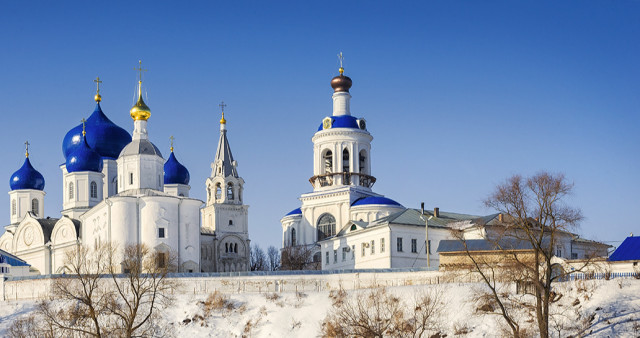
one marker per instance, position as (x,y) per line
(98,98)
(222,120)
(140,111)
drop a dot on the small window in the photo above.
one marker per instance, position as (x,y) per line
(34,206)
(364,249)
(190,270)
(235,248)
(574,255)
(160,232)
(353,227)
(559,251)
(130,178)
(373,247)
(335,256)
(226,247)
(353,252)
(381,244)
(94,189)
(294,242)
(345,161)
(71,190)
(326,257)
(399,244)
(344,254)
(13,207)
(161,259)
(230,222)
(230,192)
(414,245)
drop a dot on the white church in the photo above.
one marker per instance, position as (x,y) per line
(119,188)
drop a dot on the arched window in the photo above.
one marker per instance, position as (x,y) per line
(230,191)
(240,193)
(115,185)
(235,248)
(363,162)
(130,178)
(70,190)
(13,207)
(94,190)
(345,161)
(226,247)
(293,237)
(328,162)
(326,226)
(218,191)
(230,222)
(35,206)
(209,194)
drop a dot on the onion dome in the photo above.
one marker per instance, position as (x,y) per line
(26,177)
(104,136)
(341,83)
(375,200)
(140,111)
(175,172)
(83,158)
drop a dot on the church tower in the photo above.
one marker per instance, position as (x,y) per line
(225,232)
(27,191)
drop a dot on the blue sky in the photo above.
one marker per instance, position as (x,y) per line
(458,95)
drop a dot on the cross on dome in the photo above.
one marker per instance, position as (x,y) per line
(341,59)
(98,98)
(26,143)
(171,138)
(140,69)
(222,105)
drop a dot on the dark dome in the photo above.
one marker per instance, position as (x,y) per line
(341,83)
(26,178)
(83,158)
(175,172)
(103,136)
(375,200)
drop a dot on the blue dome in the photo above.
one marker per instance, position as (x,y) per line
(375,200)
(26,178)
(174,172)
(83,158)
(343,121)
(294,212)
(103,136)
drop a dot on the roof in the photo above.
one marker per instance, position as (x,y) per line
(47,225)
(83,158)
(629,250)
(294,212)
(141,147)
(375,200)
(342,121)
(27,177)
(175,172)
(10,259)
(223,165)
(454,245)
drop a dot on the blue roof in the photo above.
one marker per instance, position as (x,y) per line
(10,259)
(294,212)
(175,172)
(26,178)
(343,121)
(83,158)
(103,136)
(375,200)
(629,250)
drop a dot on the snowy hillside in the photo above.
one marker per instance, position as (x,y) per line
(591,308)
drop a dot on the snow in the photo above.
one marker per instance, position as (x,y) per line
(601,308)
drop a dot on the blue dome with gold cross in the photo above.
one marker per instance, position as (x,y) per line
(103,136)
(83,158)
(175,172)
(27,177)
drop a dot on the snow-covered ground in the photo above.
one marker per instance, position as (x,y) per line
(587,308)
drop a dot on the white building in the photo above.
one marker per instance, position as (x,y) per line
(119,189)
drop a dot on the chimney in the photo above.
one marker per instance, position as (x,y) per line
(501,217)
(436,212)
(422,207)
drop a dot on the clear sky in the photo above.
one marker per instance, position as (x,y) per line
(458,95)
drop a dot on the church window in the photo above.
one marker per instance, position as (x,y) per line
(335,256)
(115,185)
(345,160)
(235,247)
(293,237)
(399,244)
(381,244)
(326,226)
(130,178)
(414,245)
(226,247)
(344,254)
(362,162)
(373,247)
(230,222)
(34,206)
(13,207)
(218,192)
(326,257)
(70,190)
(160,232)
(230,191)
(353,252)
(208,194)
(161,259)
(364,249)
(328,162)
(94,190)
(353,227)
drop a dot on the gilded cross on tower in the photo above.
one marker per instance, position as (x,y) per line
(98,98)
(340,58)
(140,69)
(171,138)
(26,143)
(222,105)
(83,127)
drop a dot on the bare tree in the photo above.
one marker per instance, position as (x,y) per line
(273,258)
(298,258)
(535,215)
(141,290)
(258,258)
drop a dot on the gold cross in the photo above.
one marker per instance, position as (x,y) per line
(83,130)
(222,105)
(171,138)
(26,143)
(341,59)
(98,82)
(140,69)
